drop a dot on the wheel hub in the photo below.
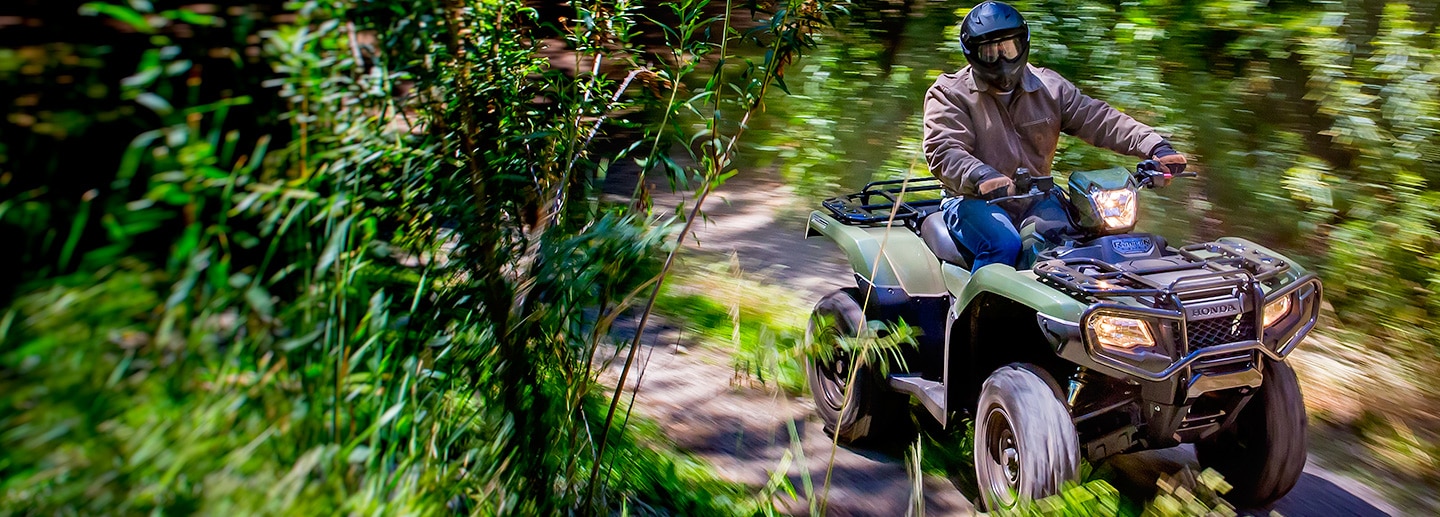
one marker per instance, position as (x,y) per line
(1011,459)
(836,376)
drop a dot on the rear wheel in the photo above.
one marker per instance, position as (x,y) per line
(869,410)
(1263,454)
(1025,443)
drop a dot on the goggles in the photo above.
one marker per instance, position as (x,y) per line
(1007,49)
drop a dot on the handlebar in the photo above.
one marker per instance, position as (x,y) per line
(1156,177)
(1039,186)
(1146,175)
(1026,195)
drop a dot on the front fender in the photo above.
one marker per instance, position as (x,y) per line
(1022,287)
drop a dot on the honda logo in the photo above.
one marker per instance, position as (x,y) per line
(1214,310)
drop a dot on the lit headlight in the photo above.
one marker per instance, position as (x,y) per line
(1276,310)
(1116,207)
(1121,333)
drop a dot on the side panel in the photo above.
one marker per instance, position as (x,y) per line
(885,257)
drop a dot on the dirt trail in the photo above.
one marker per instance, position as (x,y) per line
(693,394)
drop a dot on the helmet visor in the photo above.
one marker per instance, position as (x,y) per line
(994,51)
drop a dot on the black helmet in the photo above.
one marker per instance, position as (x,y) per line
(997,43)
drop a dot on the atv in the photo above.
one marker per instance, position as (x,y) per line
(1100,341)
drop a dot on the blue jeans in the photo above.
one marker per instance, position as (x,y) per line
(984,229)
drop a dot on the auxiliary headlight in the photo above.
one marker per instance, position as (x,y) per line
(1121,333)
(1276,310)
(1116,207)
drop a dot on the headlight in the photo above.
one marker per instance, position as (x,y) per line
(1121,333)
(1116,207)
(1276,310)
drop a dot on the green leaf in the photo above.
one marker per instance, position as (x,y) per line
(292,344)
(119,13)
(192,17)
(339,237)
(259,300)
(155,102)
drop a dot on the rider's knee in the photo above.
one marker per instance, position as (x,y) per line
(1008,248)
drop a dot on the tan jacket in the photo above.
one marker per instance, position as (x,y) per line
(967,127)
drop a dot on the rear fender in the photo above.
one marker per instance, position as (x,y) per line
(885,257)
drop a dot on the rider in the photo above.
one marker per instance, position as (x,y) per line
(1000,115)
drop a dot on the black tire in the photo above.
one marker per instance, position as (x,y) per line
(1025,441)
(871,411)
(1263,454)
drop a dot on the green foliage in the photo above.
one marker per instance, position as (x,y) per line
(363,289)
(761,325)
(1185,494)
(1091,499)
(649,478)
(879,345)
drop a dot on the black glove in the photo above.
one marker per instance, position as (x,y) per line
(1170,158)
(993,184)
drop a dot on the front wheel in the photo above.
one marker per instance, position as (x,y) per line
(1263,454)
(1025,443)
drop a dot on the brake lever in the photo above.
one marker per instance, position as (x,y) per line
(1026,195)
(1145,177)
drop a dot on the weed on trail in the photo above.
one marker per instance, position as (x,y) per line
(761,324)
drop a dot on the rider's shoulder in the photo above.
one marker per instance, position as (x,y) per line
(1051,79)
(953,81)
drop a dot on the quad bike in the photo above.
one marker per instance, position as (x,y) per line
(1100,341)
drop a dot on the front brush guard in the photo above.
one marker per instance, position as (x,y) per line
(1229,266)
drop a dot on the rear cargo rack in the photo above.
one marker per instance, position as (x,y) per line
(874,204)
(1228,264)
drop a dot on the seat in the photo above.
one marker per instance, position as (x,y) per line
(944,243)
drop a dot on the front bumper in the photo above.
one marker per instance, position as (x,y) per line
(1174,353)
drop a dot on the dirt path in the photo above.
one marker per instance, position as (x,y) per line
(744,432)
(693,394)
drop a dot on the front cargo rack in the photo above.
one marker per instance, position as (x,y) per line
(1089,280)
(875,203)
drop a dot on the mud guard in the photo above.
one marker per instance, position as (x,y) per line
(1022,287)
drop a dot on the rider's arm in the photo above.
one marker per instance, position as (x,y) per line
(1101,125)
(949,142)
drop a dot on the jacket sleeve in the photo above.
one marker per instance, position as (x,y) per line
(1101,125)
(949,142)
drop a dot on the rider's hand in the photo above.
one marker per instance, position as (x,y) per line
(996,187)
(1156,173)
(1170,158)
